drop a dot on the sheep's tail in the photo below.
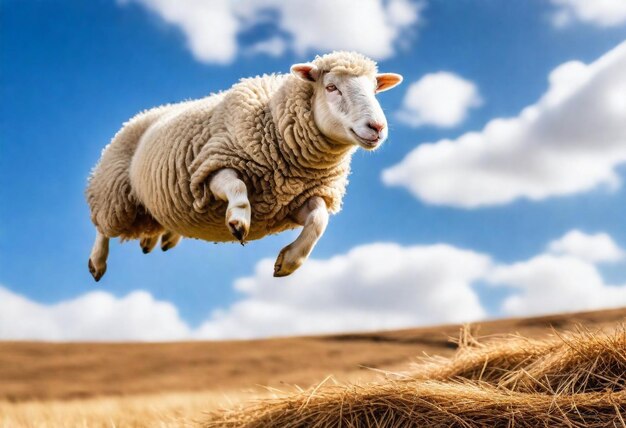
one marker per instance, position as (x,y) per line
(115,209)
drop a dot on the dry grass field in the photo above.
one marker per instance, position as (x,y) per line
(575,379)
(183,409)
(180,384)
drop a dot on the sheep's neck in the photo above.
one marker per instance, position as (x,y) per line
(298,137)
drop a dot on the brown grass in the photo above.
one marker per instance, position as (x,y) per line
(575,380)
(54,371)
(167,410)
(55,385)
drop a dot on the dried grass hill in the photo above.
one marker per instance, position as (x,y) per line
(543,377)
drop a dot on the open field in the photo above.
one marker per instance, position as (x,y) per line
(184,409)
(175,384)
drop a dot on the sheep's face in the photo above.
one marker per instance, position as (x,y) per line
(345,107)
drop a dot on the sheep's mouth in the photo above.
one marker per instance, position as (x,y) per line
(364,142)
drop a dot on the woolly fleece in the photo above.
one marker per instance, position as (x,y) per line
(156,171)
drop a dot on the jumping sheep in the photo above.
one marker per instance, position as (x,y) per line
(270,154)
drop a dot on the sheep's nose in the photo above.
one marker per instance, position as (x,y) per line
(376,126)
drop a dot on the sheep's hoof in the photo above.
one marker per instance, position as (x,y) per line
(96,273)
(239,230)
(147,244)
(238,220)
(169,240)
(284,264)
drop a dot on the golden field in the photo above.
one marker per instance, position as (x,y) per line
(188,383)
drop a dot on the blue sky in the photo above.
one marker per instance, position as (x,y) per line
(72,72)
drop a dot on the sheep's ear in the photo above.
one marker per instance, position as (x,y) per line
(385,81)
(306,71)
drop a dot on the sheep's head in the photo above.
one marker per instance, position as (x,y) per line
(344,104)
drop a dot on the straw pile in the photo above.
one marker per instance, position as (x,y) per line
(572,380)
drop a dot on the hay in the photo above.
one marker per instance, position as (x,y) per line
(574,380)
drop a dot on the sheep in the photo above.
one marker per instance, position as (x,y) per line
(269,154)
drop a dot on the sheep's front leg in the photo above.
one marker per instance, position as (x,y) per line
(227,186)
(313,215)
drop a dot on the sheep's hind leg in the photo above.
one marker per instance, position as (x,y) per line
(148,243)
(313,215)
(227,186)
(169,240)
(98,258)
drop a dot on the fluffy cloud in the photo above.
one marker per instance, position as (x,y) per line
(273,47)
(603,13)
(549,283)
(371,287)
(388,286)
(210,27)
(441,99)
(376,286)
(374,27)
(598,247)
(570,141)
(92,316)
(564,279)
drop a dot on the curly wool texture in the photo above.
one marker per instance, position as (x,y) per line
(352,63)
(156,171)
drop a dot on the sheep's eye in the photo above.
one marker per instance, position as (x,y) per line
(331,88)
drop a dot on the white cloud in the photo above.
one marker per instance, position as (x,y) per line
(371,287)
(373,27)
(564,279)
(273,47)
(210,27)
(442,99)
(93,316)
(598,247)
(602,13)
(570,141)
(380,286)
(550,284)
(376,286)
